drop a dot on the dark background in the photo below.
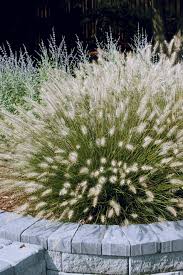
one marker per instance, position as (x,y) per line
(28,21)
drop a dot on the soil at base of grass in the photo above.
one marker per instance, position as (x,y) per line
(10,200)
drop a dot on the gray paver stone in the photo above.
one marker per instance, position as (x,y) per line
(23,258)
(7,217)
(35,269)
(53,260)
(142,239)
(88,239)
(84,264)
(115,242)
(6,268)
(156,263)
(39,232)
(18,225)
(170,235)
(17,252)
(61,239)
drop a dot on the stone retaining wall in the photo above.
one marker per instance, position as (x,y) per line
(72,248)
(21,259)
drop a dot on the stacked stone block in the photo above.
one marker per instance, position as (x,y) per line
(71,248)
(21,259)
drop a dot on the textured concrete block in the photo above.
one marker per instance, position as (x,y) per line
(142,239)
(84,264)
(22,256)
(17,252)
(39,232)
(38,269)
(18,225)
(88,239)
(157,263)
(115,242)
(61,239)
(7,217)
(170,235)
(6,268)
(53,260)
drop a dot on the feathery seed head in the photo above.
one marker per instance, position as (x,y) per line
(141,127)
(132,189)
(116,206)
(73,156)
(84,170)
(44,165)
(130,147)
(102,218)
(46,192)
(100,142)
(110,213)
(134,215)
(84,130)
(67,185)
(88,162)
(172,210)
(40,205)
(147,141)
(120,144)
(113,163)
(113,179)
(103,160)
(112,131)
(63,192)
(102,180)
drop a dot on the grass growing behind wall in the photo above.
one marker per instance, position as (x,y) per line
(106,144)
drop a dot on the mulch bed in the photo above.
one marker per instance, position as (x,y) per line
(9,199)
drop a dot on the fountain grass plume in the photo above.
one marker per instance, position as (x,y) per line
(106,143)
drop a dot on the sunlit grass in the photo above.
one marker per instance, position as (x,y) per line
(106,143)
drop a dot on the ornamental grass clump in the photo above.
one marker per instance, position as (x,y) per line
(106,143)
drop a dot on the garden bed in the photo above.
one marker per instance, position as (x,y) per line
(103,144)
(10,198)
(9,201)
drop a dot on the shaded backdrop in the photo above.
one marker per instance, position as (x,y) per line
(29,21)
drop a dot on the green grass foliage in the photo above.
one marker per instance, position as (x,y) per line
(106,143)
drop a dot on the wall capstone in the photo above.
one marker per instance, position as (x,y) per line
(71,248)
